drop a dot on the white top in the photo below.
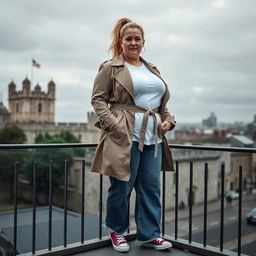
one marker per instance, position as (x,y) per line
(148,91)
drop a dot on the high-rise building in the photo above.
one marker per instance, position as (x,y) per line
(211,121)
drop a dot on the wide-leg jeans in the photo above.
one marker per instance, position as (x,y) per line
(145,178)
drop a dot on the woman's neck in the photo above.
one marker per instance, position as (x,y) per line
(135,62)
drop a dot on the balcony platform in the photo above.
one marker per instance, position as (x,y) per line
(135,250)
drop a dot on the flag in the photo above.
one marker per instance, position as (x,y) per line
(35,64)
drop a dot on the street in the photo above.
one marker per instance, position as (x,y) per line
(248,239)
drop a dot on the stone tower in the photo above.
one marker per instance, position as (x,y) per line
(4,115)
(35,106)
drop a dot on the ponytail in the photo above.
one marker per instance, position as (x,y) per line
(115,47)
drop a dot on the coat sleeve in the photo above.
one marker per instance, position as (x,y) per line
(168,117)
(100,98)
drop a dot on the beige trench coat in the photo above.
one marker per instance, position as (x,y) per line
(113,84)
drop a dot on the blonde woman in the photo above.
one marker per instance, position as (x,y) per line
(129,97)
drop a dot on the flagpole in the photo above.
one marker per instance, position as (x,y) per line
(31,71)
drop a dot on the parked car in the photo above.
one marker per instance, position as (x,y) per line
(232,194)
(251,216)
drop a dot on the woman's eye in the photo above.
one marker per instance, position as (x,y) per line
(130,39)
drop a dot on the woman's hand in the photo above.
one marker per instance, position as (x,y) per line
(166,125)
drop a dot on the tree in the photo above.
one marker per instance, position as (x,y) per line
(42,157)
(11,135)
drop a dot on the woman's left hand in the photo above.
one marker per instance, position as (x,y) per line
(166,125)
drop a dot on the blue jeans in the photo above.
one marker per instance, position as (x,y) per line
(145,178)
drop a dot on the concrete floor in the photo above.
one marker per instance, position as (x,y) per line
(135,250)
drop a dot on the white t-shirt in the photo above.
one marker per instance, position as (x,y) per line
(148,91)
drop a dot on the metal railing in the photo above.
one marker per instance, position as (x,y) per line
(101,241)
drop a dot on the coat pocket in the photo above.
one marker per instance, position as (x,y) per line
(117,130)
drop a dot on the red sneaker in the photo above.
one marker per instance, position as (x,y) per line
(158,244)
(119,242)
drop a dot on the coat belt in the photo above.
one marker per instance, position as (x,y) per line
(147,113)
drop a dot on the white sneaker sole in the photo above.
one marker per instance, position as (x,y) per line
(158,247)
(121,248)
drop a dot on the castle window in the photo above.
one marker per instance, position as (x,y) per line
(40,107)
(17,108)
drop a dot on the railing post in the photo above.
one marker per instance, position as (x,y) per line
(15,193)
(65,203)
(34,210)
(190,200)
(128,230)
(240,209)
(176,199)
(50,208)
(163,202)
(100,206)
(82,201)
(205,201)
(222,206)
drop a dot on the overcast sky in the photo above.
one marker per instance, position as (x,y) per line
(204,49)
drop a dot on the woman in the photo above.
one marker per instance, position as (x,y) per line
(129,97)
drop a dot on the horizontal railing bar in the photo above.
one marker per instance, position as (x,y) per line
(90,145)
(214,148)
(53,145)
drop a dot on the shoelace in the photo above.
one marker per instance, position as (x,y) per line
(120,238)
(159,239)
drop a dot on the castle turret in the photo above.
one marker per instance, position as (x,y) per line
(11,88)
(37,89)
(51,89)
(26,87)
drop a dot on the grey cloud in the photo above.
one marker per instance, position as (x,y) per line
(193,44)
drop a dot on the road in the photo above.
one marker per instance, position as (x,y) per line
(213,228)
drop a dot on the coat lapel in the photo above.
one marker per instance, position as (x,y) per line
(122,74)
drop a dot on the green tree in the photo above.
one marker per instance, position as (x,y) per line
(8,157)
(57,156)
(12,135)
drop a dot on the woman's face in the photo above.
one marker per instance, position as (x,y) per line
(132,43)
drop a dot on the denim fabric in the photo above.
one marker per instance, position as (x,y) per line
(145,178)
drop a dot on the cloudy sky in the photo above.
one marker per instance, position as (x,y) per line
(205,50)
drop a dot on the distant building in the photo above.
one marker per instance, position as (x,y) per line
(211,121)
(242,159)
(251,129)
(35,106)
(4,115)
(34,112)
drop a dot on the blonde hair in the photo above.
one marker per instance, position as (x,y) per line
(118,31)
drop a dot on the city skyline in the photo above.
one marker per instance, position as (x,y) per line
(204,50)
